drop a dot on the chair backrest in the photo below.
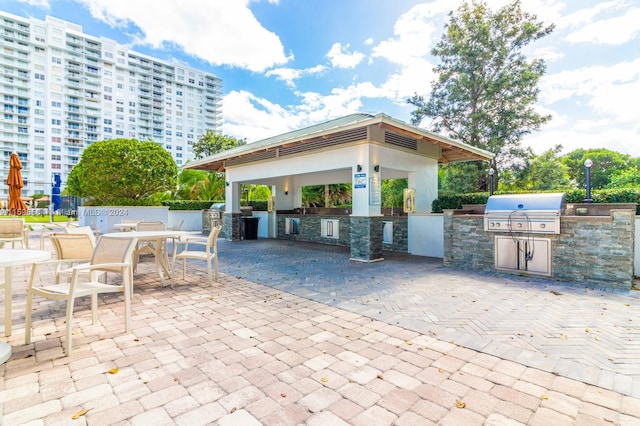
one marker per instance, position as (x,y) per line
(72,246)
(82,230)
(114,250)
(151,226)
(212,239)
(11,228)
(177,226)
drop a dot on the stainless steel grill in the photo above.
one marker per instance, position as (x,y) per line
(524,213)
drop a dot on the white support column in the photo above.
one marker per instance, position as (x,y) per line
(425,182)
(232,197)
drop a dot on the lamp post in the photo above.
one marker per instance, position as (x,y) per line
(588,164)
(491,172)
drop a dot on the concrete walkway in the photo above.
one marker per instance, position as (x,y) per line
(297,334)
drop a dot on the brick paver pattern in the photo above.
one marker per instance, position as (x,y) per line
(298,334)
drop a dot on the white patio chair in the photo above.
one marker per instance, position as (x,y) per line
(71,250)
(82,230)
(176,226)
(209,255)
(144,245)
(14,230)
(109,255)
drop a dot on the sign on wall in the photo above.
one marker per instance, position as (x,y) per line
(360,180)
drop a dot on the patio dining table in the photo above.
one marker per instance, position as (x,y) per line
(160,238)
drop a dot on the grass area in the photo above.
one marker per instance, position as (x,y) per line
(40,219)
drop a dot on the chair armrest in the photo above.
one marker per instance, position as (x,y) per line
(59,261)
(99,266)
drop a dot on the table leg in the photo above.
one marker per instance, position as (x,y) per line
(7,301)
(163,269)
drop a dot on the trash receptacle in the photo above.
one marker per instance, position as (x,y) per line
(250,227)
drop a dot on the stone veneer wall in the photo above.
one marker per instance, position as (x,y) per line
(366,238)
(592,251)
(231,226)
(400,235)
(310,229)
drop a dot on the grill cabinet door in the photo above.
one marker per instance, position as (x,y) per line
(511,254)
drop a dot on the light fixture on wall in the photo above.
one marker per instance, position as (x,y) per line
(226,183)
(286,192)
(376,168)
(359,168)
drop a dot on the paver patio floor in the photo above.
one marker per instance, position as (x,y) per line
(297,334)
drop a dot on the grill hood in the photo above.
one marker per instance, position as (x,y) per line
(551,202)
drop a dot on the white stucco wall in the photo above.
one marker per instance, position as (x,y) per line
(426,234)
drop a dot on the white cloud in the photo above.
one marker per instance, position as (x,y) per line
(340,57)
(38,3)
(220,32)
(289,75)
(617,30)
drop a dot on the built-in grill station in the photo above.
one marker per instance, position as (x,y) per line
(525,218)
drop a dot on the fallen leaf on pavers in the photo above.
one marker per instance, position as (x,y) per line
(324,380)
(460,404)
(597,339)
(136,340)
(440,370)
(556,293)
(282,394)
(114,371)
(324,351)
(175,379)
(627,304)
(586,330)
(610,359)
(379,376)
(233,410)
(544,397)
(210,297)
(408,342)
(80,413)
(563,336)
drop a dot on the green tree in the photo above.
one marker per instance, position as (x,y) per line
(606,163)
(392,192)
(547,172)
(333,195)
(627,178)
(122,172)
(200,185)
(462,177)
(211,143)
(486,88)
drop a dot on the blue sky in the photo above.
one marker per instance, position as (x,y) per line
(287,64)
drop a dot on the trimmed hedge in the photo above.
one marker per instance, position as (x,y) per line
(620,195)
(189,204)
(258,205)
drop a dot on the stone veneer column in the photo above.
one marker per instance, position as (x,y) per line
(231,226)
(366,238)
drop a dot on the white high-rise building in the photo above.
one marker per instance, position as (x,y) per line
(62,89)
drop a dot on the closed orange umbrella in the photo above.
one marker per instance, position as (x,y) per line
(17,207)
